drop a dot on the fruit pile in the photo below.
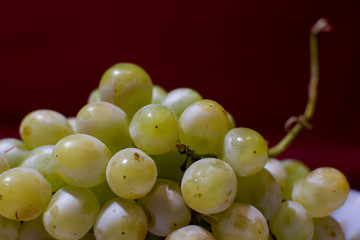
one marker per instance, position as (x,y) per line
(138,162)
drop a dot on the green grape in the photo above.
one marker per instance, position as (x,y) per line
(80,160)
(291,221)
(158,94)
(131,173)
(295,170)
(4,165)
(24,193)
(203,126)
(127,86)
(94,96)
(72,121)
(40,159)
(245,150)
(14,151)
(106,122)
(240,221)
(44,127)
(165,208)
(191,232)
(154,129)
(121,219)
(327,228)
(103,192)
(180,98)
(71,213)
(277,169)
(34,230)
(169,164)
(9,229)
(322,191)
(260,190)
(231,120)
(209,186)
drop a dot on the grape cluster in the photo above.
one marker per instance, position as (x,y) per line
(138,163)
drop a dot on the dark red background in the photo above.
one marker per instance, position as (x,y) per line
(250,56)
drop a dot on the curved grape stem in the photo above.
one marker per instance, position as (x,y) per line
(302,121)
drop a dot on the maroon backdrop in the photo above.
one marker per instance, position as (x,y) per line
(250,56)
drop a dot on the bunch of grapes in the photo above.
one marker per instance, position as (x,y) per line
(138,163)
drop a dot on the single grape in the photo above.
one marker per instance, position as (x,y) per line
(34,230)
(209,186)
(40,159)
(80,160)
(154,129)
(127,86)
(158,94)
(165,208)
(44,127)
(9,229)
(24,193)
(203,126)
(94,96)
(260,190)
(121,219)
(292,221)
(71,213)
(240,221)
(131,173)
(245,150)
(190,232)
(322,191)
(277,169)
(14,151)
(180,98)
(327,228)
(106,122)
(231,120)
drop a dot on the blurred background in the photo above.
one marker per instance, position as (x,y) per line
(250,56)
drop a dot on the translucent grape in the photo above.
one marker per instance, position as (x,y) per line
(72,121)
(209,186)
(24,193)
(203,126)
(165,208)
(158,94)
(277,169)
(292,221)
(191,232)
(94,96)
(245,150)
(121,219)
(240,221)
(327,228)
(4,165)
(106,122)
(180,98)
(14,151)
(154,129)
(34,230)
(44,127)
(40,159)
(322,191)
(295,170)
(131,173)
(9,229)
(260,190)
(71,213)
(127,86)
(80,160)
(231,120)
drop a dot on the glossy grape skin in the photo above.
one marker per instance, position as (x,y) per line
(209,186)
(9,229)
(203,126)
(158,94)
(106,122)
(190,232)
(154,129)
(231,120)
(44,127)
(80,160)
(295,170)
(240,221)
(24,194)
(277,169)
(34,230)
(180,98)
(245,150)
(14,150)
(121,219)
(127,86)
(322,191)
(94,96)
(71,213)
(327,228)
(131,173)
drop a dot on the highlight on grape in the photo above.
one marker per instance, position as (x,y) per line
(138,162)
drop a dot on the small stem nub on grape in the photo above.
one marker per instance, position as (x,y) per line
(190,154)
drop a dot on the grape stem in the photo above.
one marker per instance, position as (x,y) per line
(303,121)
(190,154)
